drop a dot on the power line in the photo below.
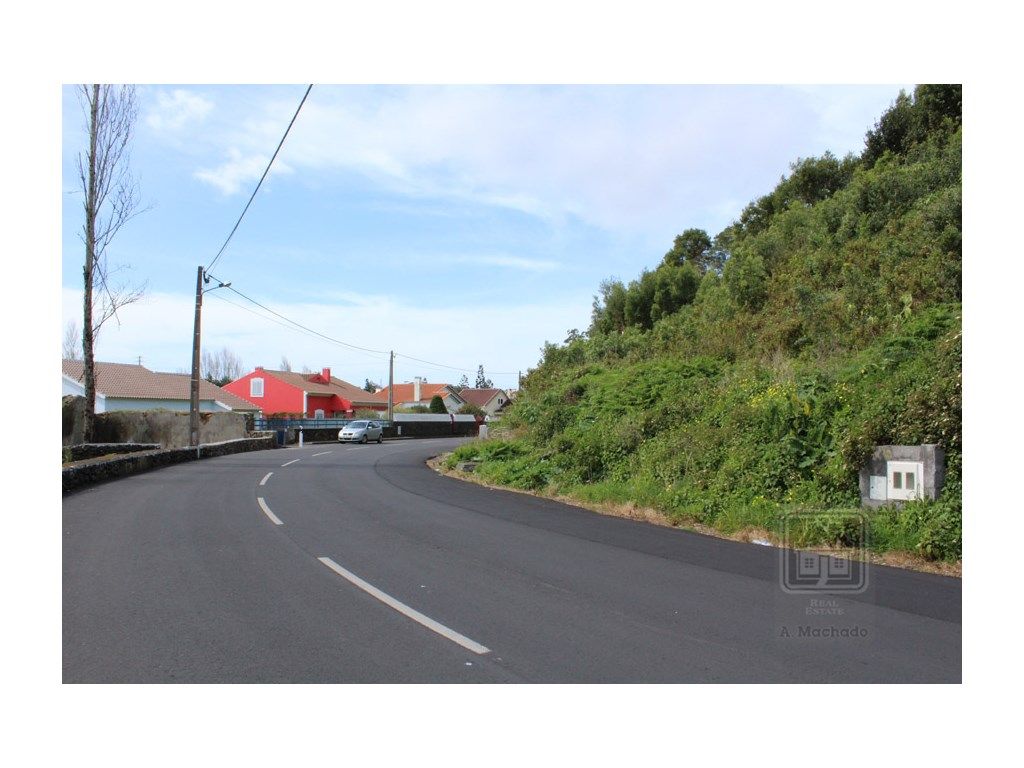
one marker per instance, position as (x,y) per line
(452,367)
(265,172)
(310,334)
(339,341)
(303,327)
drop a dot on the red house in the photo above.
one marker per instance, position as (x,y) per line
(314,395)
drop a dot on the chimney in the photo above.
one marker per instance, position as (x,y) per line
(326,373)
(416,389)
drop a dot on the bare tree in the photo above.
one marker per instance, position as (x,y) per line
(221,366)
(72,342)
(285,365)
(111,198)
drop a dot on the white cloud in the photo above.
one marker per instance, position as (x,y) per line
(523,263)
(239,170)
(174,111)
(620,158)
(503,338)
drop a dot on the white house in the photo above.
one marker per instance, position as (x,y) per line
(491,400)
(124,387)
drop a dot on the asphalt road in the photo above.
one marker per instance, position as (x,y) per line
(382,570)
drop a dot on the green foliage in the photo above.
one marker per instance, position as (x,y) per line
(693,248)
(472,408)
(747,279)
(727,396)
(437,405)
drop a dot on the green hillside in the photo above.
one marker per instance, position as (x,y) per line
(752,372)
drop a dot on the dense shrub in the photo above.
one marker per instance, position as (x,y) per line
(753,373)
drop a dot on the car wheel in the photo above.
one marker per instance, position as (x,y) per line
(363,441)
(380,438)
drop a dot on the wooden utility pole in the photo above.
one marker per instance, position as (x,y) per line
(193,413)
(391,388)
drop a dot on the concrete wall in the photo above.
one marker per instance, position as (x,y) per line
(432,425)
(169,429)
(178,406)
(405,425)
(930,455)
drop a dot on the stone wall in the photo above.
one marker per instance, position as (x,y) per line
(98,472)
(94,450)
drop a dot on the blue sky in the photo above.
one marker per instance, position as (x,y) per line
(461,225)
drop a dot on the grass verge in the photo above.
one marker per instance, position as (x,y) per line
(889,528)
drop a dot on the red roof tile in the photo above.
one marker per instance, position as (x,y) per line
(480,397)
(405,393)
(136,382)
(312,383)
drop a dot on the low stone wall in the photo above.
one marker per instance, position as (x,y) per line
(100,471)
(92,450)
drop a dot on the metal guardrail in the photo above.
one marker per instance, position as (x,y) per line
(262,425)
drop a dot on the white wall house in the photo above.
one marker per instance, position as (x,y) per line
(74,387)
(490,400)
(123,387)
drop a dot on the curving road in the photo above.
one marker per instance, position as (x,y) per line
(338,563)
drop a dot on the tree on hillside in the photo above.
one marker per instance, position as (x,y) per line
(222,366)
(464,381)
(909,120)
(640,299)
(609,308)
(371,386)
(437,405)
(674,287)
(285,365)
(72,342)
(482,382)
(110,200)
(691,247)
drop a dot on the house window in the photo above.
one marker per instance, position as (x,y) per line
(897,480)
(318,413)
(909,484)
(255,387)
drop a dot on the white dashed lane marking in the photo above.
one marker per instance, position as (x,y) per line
(405,610)
(322,453)
(266,510)
(290,462)
(265,478)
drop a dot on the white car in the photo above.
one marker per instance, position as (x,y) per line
(361,432)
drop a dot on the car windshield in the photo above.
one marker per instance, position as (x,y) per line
(357,425)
